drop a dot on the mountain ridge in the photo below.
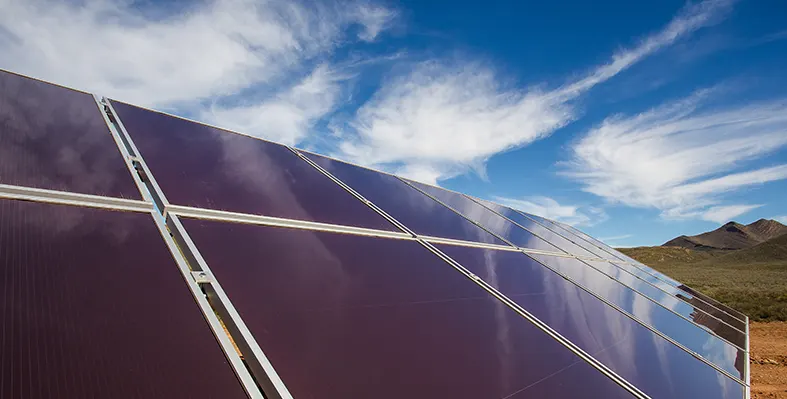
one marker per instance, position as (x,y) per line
(731,236)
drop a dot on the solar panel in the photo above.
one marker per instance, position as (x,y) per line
(685,291)
(92,305)
(95,305)
(342,316)
(720,353)
(685,296)
(551,225)
(409,206)
(488,219)
(55,138)
(201,166)
(548,235)
(674,303)
(659,368)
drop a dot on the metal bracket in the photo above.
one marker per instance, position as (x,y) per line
(201,277)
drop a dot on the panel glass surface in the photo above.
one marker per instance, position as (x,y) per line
(697,309)
(409,206)
(687,297)
(93,306)
(686,291)
(56,138)
(653,364)
(548,235)
(343,316)
(488,219)
(671,302)
(206,167)
(598,252)
(695,338)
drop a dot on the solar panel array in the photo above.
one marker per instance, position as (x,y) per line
(145,255)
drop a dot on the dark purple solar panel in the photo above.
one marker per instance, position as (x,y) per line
(93,306)
(611,254)
(685,296)
(653,364)
(688,334)
(685,289)
(548,235)
(549,224)
(55,138)
(343,316)
(206,167)
(409,206)
(488,219)
(671,302)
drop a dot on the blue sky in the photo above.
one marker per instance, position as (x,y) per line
(634,121)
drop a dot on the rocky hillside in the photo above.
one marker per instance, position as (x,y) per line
(731,236)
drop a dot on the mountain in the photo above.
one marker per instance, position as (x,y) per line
(731,236)
(752,280)
(773,250)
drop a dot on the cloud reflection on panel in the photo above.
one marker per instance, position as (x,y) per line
(206,167)
(682,331)
(56,138)
(415,210)
(655,365)
(660,297)
(488,219)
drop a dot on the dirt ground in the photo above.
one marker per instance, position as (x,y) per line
(768,344)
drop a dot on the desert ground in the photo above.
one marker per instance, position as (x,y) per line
(768,345)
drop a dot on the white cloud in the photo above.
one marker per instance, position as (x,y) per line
(211,50)
(615,238)
(549,208)
(681,159)
(724,214)
(444,118)
(374,19)
(781,219)
(287,117)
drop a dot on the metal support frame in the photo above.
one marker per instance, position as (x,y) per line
(462,243)
(258,364)
(196,289)
(122,146)
(210,214)
(208,299)
(69,198)
(748,361)
(140,167)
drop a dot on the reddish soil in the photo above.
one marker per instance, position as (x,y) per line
(768,344)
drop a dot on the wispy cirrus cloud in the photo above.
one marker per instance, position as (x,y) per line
(612,240)
(286,116)
(549,208)
(443,118)
(273,54)
(682,158)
